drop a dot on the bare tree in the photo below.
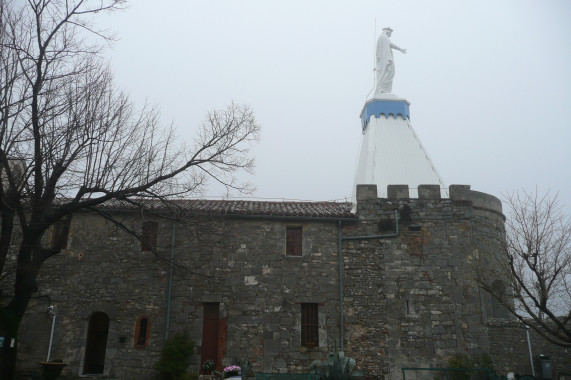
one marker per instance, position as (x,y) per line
(70,140)
(534,259)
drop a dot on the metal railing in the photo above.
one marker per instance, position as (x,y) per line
(446,370)
(286,376)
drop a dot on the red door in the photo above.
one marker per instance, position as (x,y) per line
(210,326)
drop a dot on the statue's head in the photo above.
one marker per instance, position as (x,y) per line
(388,31)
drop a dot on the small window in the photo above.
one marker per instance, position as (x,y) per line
(309,325)
(60,234)
(409,308)
(293,241)
(149,236)
(142,330)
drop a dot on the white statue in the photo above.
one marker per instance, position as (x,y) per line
(385,64)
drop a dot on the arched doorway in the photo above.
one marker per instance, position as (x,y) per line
(96,344)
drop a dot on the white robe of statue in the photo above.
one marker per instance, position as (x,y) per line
(385,67)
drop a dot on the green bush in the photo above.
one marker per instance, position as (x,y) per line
(485,361)
(175,357)
(465,362)
(460,361)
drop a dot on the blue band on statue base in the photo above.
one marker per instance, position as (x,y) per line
(384,107)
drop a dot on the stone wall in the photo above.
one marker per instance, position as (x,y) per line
(260,290)
(511,350)
(103,269)
(409,299)
(238,263)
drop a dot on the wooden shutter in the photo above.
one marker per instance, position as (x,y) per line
(210,325)
(293,241)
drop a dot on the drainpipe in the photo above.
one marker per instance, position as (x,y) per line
(529,346)
(52,313)
(395,234)
(340,256)
(171,265)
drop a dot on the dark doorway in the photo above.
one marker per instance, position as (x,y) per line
(210,333)
(96,344)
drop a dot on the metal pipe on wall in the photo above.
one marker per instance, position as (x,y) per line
(171,265)
(340,256)
(52,313)
(529,346)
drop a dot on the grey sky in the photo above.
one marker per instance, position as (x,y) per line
(488,81)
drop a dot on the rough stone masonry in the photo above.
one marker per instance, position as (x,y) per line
(403,283)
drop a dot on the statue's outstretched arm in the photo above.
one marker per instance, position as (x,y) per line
(393,46)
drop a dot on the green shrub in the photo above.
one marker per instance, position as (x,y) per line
(175,357)
(467,363)
(485,361)
(460,361)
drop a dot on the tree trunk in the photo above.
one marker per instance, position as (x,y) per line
(12,314)
(9,323)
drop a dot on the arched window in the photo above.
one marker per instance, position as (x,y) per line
(96,344)
(142,332)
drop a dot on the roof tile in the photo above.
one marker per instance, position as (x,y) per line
(245,207)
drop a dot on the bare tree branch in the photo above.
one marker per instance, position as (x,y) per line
(534,259)
(70,140)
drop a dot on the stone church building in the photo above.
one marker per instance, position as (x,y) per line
(387,278)
(278,284)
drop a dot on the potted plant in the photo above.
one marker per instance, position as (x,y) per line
(232,372)
(52,369)
(208,366)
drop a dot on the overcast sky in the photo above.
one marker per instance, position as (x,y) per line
(488,81)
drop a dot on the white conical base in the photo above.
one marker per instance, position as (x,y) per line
(391,154)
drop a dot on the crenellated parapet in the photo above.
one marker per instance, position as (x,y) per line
(478,200)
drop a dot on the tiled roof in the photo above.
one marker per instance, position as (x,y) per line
(244,207)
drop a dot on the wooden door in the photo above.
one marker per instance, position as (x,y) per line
(210,326)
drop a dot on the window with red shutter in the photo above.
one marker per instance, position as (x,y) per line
(293,241)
